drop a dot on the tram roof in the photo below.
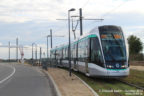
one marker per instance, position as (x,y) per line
(88,34)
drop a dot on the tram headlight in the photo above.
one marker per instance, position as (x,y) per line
(124,66)
(110,66)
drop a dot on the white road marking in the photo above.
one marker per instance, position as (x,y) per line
(14,70)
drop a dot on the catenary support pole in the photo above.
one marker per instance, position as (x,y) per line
(47,47)
(40,57)
(9,50)
(36,54)
(17,49)
(51,37)
(81,26)
(32,53)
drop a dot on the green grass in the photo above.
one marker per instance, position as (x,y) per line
(135,77)
(98,84)
(110,84)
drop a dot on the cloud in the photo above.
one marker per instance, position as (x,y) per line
(31,20)
(4,53)
(1,44)
(28,10)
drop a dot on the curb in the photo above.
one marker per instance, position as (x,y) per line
(55,86)
(95,94)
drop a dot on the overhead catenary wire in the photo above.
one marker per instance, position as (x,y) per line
(109,12)
(85,4)
(112,10)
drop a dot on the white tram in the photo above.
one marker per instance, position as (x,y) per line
(102,52)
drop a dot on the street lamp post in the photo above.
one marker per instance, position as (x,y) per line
(32,52)
(47,41)
(17,49)
(35,51)
(47,46)
(9,51)
(143,51)
(69,47)
(40,56)
(51,37)
(47,50)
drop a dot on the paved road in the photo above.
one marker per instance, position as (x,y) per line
(24,80)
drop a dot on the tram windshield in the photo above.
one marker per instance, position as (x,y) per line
(113,44)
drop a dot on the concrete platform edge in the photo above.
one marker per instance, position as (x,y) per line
(56,87)
(95,94)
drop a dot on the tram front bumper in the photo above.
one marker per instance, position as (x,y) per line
(118,72)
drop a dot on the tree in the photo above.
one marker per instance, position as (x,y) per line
(135,44)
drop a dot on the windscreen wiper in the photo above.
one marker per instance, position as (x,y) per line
(113,59)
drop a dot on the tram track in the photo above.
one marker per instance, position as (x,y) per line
(112,84)
(109,82)
(105,86)
(109,88)
(130,84)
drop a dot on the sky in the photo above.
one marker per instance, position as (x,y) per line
(31,20)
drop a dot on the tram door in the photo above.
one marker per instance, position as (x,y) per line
(75,64)
(86,66)
(86,60)
(76,58)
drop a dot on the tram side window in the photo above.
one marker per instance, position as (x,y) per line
(72,50)
(80,51)
(86,48)
(83,50)
(58,54)
(62,53)
(96,55)
(53,54)
(66,53)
